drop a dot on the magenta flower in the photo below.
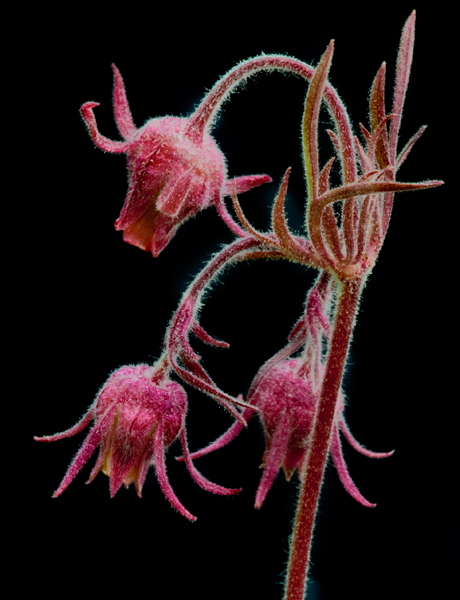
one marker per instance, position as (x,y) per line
(137,415)
(287,407)
(175,170)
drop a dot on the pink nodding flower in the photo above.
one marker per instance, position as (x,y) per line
(286,406)
(137,415)
(175,170)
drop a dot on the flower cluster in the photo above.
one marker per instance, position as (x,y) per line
(176,169)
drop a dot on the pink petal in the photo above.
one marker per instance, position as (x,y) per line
(199,478)
(165,230)
(339,461)
(145,463)
(142,191)
(160,468)
(175,193)
(103,452)
(276,454)
(124,451)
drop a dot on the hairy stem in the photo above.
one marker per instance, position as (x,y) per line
(347,304)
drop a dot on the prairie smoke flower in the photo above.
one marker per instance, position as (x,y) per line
(137,415)
(286,406)
(175,170)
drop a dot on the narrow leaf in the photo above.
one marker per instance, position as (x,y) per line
(377,113)
(406,49)
(310,121)
(408,147)
(245,222)
(372,187)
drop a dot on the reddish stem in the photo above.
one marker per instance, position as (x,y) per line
(347,304)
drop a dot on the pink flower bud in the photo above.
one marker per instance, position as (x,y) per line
(286,406)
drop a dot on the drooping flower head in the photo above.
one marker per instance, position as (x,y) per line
(137,415)
(285,393)
(175,170)
(287,406)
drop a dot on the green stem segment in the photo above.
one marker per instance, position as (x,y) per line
(347,305)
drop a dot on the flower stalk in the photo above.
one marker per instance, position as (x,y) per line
(349,293)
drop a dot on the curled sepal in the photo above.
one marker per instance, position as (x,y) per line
(160,467)
(357,446)
(101,141)
(206,338)
(204,483)
(275,457)
(211,390)
(231,433)
(80,426)
(339,462)
(123,117)
(91,443)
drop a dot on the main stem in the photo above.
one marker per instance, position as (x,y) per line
(347,305)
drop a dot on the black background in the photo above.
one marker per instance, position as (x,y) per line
(91,303)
